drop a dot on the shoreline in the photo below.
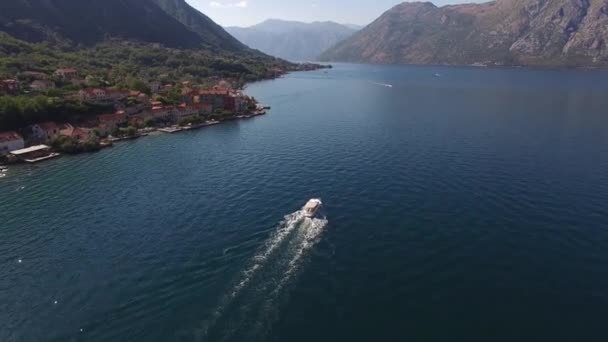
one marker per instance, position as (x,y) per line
(94,143)
(106,143)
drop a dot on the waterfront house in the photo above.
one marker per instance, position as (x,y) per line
(9,86)
(108,123)
(204,108)
(188,95)
(67,74)
(241,103)
(163,113)
(215,96)
(185,111)
(10,141)
(42,85)
(49,130)
(82,134)
(230,103)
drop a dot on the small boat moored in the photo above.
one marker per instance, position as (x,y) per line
(311,207)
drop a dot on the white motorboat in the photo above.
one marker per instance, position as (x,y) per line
(312,206)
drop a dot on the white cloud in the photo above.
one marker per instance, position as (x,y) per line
(240,4)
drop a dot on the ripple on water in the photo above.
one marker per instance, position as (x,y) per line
(440,195)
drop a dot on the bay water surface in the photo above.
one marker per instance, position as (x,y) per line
(461,204)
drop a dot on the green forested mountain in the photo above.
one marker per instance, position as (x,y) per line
(125,44)
(134,37)
(89,22)
(211,33)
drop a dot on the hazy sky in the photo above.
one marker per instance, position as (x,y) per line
(250,12)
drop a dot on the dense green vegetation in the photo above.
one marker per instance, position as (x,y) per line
(125,65)
(117,61)
(20,111)
(191,121)
(70,145)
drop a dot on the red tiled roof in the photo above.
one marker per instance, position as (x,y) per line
(9,136)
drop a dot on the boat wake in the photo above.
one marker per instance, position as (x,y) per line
(382,84)
(253,303)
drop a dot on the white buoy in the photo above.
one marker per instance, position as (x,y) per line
(81,330)
(19,261)
(56,302)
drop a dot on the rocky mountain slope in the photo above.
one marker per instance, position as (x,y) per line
(501,32)
(292,40)
(211,33)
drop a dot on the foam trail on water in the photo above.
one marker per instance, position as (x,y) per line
(382,84)
(312,234)
(285,229)
(287,226)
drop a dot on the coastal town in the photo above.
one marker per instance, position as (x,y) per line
(168,107)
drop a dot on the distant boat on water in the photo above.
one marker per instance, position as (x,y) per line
(383,84)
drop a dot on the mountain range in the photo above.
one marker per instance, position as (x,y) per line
(292,40)
(121,39)
(501,32)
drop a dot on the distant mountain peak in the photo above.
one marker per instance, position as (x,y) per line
(289,24)
(292,40)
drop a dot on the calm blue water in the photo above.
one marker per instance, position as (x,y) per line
(470,205)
